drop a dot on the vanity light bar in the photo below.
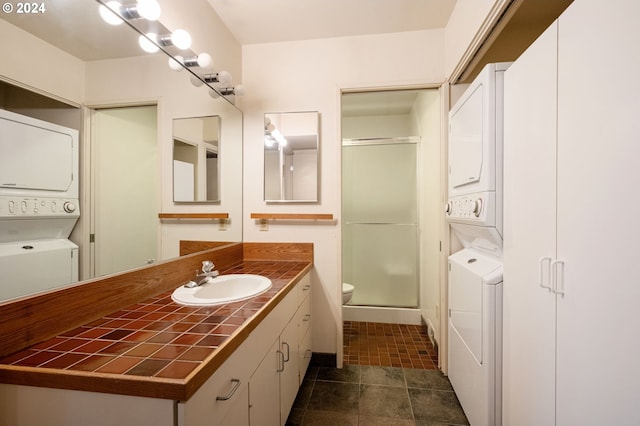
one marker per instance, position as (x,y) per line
(227,91)
(223,77)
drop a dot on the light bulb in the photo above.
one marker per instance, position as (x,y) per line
(109,13)
(224,77)
(239,90)
(175,63)
(204,60)
(181,39)
(149,9)
(196,81)
(146,44)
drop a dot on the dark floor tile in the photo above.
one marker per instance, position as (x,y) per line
(334,396)
(384,401)
(324,418)
(348,374)
(312,373)
(295,417)
(387,376)
(384,421)
(426,379)
(436,406)
(304,394)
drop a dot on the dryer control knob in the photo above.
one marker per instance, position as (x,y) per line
(69,207)
(477,207)
(448,209)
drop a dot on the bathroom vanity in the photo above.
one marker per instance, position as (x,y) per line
(156,362)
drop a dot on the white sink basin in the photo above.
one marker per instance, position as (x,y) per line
(222,289)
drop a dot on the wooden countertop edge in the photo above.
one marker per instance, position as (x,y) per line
(151,387)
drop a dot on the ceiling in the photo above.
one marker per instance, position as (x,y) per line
(267,21)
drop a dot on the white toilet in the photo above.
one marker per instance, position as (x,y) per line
(347,292)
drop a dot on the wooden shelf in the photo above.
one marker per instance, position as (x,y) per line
(292,216)
(193,215)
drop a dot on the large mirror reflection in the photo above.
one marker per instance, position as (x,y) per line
(68,67)
(291,162)
(196,159)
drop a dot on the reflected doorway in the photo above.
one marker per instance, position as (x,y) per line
(124,176)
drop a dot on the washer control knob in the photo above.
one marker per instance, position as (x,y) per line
(69,207)
(477,207)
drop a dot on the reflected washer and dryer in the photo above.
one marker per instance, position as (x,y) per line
(38,205)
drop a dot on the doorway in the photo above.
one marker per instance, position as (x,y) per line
(395,137)
(124,179)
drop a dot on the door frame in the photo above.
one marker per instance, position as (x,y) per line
(87,183)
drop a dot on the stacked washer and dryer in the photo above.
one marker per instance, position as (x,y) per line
(38,205)
(474,212)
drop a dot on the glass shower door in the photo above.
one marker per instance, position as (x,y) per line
(380,211)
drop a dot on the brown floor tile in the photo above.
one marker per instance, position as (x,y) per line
(388,345)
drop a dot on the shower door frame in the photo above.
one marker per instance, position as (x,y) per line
(401,140)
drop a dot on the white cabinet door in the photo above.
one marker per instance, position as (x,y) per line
(289,382)
(264,392)
(598,379)
(529,234)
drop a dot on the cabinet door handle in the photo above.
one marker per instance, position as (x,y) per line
(541,275)
(286,359)
(306,287)
(236,385)
(307,317)
(280,361)
(558,277)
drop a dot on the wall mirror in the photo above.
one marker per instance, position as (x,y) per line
(291,161)
(196,159)
(116,72)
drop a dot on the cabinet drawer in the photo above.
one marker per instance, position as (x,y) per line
(226,390)
(304,318)
(303,288)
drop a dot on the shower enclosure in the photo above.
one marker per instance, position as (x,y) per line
(380,221)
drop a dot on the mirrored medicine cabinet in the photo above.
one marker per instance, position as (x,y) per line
(291,160)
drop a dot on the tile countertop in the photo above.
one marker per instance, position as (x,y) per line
(155,348)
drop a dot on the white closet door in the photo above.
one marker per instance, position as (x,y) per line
(598,379)
(529,234)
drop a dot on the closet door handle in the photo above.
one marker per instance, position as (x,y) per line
(541,276)
(558,277)
(286,359)
(233,390)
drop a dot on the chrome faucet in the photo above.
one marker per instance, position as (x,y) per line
(203,277)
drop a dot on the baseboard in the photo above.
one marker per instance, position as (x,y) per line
(319,359)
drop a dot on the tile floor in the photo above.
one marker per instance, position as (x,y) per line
(375,396)
(390,377)
(391,345)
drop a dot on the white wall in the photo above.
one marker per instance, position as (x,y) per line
(32,63)
(427,113)
(146,79)
(309,76)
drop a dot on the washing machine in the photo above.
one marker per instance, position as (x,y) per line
(475,334)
